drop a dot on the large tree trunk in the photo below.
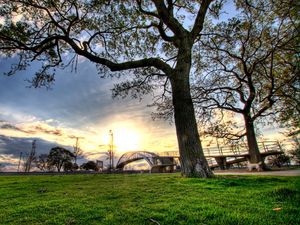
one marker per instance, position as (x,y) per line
(254,153)
(193,162)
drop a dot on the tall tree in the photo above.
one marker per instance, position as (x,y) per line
(252,63)
(289,107)
(77,152)
(59,156)
(150,40)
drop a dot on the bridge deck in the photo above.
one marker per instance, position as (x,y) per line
(266,148)
(264,154)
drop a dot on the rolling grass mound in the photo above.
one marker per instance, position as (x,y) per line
(149,199)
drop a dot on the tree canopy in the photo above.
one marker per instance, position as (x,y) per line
(59,156)
(150,40)
(90,165)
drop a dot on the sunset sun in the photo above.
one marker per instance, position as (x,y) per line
(124,139)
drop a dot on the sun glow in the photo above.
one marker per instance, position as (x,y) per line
(124,139)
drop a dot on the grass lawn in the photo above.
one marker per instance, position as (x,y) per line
(149,199)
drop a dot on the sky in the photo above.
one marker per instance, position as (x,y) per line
(79,104)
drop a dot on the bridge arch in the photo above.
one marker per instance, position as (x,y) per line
(129,157)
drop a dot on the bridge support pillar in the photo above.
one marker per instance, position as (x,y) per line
(221,161)
(162,169)
(263,158)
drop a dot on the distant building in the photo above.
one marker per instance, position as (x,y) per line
(99,164)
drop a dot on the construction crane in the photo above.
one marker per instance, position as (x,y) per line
(21,153)
(31,157)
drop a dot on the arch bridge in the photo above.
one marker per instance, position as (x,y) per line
(157,163)
(221,157)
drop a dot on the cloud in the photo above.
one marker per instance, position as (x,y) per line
(75,137)
(57,132)
(40,128)
(10,127)
(138,165)
(15,145)
(77,99)
(4,158)
(12,147)
(6,164)
(4,125)
(13,115)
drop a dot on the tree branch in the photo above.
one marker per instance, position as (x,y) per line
(169,19)
(198,24)
(155,62)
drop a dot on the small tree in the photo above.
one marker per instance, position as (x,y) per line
(42,162)
(279,160)
(59,156)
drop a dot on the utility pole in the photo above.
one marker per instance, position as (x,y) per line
(76,149)
(111,150)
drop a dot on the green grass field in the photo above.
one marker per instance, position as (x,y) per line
(149,199)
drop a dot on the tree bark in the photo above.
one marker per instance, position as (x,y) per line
(192,159)
(254,152)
